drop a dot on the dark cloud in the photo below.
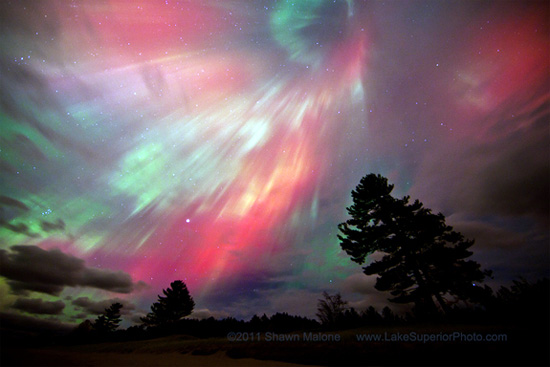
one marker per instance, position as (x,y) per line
(114,281)
(11,322)
(5,200)
(359,290)
(19,228)
(38,306)
(98,307)
(80,316)
(136,318)
(11,208)
(10,211)
(489,235)
(360,283)
(504,171)
(23,288)
(52,226)
(494,187)
(517,183)
(28,148)
(34,269)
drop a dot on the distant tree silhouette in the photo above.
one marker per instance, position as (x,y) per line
(282,322)
(523,302)
(371,317)
(330,309)
(83,329)
(350,319)
(388,316)
(257,324)
(172,307)
(109,320)
(423,257)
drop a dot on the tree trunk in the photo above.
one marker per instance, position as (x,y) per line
(440,300)
(424,291)
(442,303)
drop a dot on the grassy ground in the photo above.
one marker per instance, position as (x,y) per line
(520,348)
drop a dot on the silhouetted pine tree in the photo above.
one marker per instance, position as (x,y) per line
(388,316)
(423,257)
(371,317)
(109,320)
(172,307)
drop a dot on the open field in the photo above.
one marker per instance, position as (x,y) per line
(57,357)
(269,349)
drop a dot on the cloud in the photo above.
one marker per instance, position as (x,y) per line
(11,208)
(500,166)
(17,324)
(18,228)
(23,288)
(517,182)
(98,307)
(30,268)
(360,283)
(38,306)
(135,319)
(359,290)
(488,235)
(52,226)
(5,200)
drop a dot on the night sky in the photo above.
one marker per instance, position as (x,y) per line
(217,142)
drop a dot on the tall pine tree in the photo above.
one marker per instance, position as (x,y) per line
(109,320)
(424,260)
(172,307)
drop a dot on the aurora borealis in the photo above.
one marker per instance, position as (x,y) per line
(217,142)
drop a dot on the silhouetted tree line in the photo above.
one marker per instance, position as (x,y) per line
(281,322)
(523,304)
(334,314)
(424,263)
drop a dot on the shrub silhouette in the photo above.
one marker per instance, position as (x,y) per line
(330,309)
